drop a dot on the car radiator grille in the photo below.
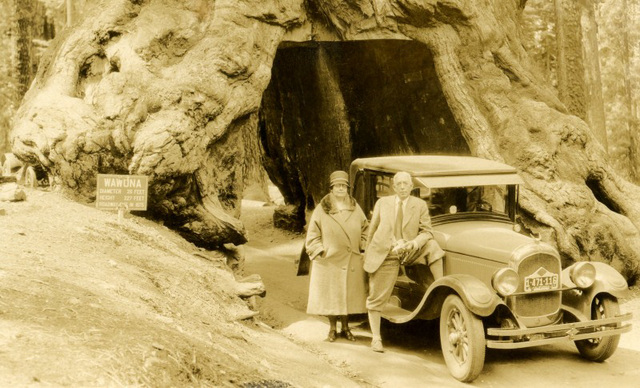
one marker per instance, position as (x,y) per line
(539,303)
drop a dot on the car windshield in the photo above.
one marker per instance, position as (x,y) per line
(453,200)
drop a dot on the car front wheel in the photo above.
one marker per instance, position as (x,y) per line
(462,339)
(599,349)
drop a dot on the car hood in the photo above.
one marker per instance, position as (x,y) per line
(495,241)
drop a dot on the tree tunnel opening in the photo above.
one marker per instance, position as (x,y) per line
(601,196)
(331,102)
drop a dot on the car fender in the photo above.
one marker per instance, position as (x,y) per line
(477,296)
(608,281)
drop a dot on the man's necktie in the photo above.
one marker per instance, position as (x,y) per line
(398,227)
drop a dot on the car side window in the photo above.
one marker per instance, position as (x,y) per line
(384,185)
(364,191)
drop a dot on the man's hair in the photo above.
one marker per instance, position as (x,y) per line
(400,174)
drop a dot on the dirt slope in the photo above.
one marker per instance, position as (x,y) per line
(86,300)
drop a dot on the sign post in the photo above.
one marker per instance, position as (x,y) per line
(122,192)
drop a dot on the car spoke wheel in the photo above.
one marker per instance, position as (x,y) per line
(462,339)
(599,349)
(29,178)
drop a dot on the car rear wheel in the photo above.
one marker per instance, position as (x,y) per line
(462,339)
(599,349)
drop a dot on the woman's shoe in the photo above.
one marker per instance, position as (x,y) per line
(348,335)
(332,335)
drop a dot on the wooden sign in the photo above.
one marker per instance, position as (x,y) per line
(122,192)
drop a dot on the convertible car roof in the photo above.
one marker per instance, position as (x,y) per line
(441,170)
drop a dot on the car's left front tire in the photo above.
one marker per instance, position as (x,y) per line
(462,339)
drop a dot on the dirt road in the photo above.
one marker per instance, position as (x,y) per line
(413,357)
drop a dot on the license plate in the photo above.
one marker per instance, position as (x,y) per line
(541,280)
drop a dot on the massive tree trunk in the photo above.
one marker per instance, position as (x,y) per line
(160,88)
(165,89)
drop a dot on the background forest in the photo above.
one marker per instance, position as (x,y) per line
(588,50)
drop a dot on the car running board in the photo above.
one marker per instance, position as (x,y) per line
(395,314)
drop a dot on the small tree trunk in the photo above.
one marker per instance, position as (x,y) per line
(23,32)
(570,71)
(578,70)
(595,116)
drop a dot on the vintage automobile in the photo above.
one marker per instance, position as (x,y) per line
(12,169)
(500,288)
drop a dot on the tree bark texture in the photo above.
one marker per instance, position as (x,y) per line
(165,89)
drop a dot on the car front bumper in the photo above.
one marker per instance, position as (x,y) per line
(524,338)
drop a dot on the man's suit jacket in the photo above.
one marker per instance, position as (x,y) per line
(416,226)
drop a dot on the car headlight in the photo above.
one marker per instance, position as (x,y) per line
(505,281)
(583,274)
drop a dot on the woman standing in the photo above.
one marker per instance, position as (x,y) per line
(336,236)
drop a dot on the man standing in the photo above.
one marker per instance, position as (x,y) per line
(400,226)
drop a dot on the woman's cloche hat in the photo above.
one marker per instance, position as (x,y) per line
(338,177)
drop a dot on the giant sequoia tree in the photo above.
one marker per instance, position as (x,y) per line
(170,88)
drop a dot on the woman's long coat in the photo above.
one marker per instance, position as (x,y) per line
(338,283)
